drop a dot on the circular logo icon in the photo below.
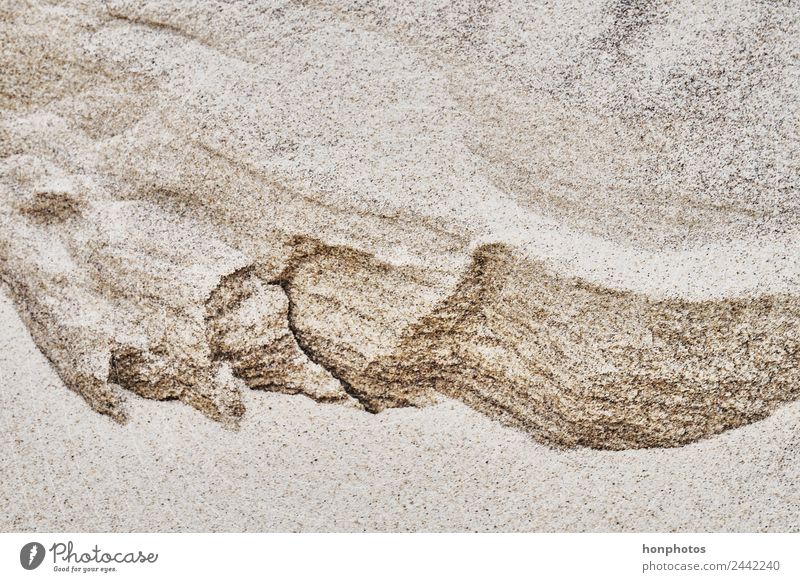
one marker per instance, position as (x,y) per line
(31,555)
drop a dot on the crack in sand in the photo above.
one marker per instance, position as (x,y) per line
(285,286)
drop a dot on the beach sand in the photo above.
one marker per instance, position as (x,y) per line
(336,265)
(295,465)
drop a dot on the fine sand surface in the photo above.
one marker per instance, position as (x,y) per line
(295,465)
(400,265)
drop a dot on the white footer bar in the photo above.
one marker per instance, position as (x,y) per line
(547,557)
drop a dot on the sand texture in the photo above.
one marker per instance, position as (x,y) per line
(567,226)
(295,465)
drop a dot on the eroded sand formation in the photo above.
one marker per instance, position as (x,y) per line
(574,220)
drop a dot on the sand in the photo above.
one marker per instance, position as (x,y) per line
(550,232)
(296,465)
